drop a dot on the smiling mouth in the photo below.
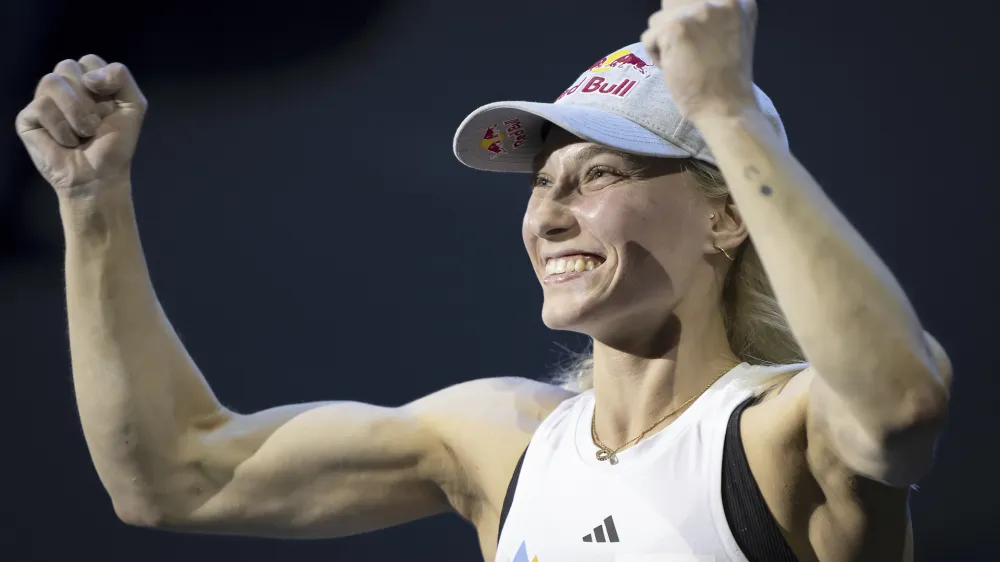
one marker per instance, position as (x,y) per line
(570,267)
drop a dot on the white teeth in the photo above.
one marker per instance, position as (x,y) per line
(571,264)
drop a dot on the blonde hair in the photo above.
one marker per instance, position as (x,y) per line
(755,326)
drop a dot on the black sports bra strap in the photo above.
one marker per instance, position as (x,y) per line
(509,498)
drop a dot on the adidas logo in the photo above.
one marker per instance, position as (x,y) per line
(599,535)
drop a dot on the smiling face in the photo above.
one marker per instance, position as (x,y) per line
(616,240)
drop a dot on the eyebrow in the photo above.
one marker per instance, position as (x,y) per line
(594,150)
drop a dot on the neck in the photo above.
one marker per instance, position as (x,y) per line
(633,391)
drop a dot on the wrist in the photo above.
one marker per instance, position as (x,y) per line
(745,133)
(725,113)
(92,209)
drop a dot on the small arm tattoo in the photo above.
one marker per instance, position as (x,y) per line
(751,173)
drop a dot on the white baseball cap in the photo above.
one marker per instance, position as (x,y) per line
(621,102)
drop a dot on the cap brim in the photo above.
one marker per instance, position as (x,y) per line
(506,136)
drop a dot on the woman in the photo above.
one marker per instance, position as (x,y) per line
(699,434)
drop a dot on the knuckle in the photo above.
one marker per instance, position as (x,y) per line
(28,113)
(695,15)
(50,80)
(117,70)
(53,119)
(104,108)
(45,105)
(63,129)
(35,105)
(678,25)
(78,112)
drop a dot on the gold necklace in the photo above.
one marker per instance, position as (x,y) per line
(605,453)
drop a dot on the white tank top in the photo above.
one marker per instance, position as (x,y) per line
(662,502)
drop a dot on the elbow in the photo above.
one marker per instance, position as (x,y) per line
(908,448)
(141,510)
(921,411)
(137,513)
(923,407)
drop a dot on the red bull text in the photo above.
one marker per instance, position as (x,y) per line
(598,85)
(621,59)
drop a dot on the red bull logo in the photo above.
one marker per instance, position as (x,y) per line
(622,58)
(495,136)
(493,141)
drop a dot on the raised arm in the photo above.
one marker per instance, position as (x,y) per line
(879,384)
(168,453)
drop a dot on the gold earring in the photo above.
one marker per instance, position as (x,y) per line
(725,253)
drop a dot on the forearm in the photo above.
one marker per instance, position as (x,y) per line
(844,306)
(137,389)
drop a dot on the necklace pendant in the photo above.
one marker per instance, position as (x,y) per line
(604,454)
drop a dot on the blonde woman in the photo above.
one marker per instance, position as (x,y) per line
(759,387)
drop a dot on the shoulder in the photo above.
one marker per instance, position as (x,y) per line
(483,426)
(497,402)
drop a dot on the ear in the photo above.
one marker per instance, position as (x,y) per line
(728,231)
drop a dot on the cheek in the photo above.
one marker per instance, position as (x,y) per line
(527,233)
(659,222)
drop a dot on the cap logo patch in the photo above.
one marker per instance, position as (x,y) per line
(496,135)
(623,59)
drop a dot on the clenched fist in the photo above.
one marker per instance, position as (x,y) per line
(705,49)
(83,124)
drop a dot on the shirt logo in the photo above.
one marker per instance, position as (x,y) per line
(599,533)
(522,554)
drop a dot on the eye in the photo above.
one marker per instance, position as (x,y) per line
(541,180)
(602,172)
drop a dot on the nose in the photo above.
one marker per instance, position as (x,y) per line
(552,220)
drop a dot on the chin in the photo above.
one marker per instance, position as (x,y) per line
(580,317)
(609,320)
(561,319)
(577,303)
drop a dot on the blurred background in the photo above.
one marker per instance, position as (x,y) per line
(312,237)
